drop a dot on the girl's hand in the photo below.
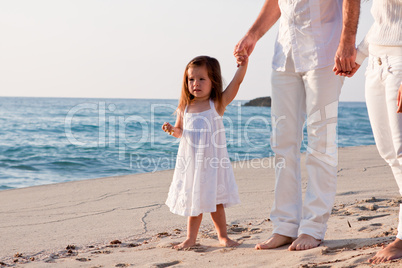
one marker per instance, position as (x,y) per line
(241,57)
(399,99)
(168,128)
(244,48)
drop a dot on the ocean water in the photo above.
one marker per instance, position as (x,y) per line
(50,140)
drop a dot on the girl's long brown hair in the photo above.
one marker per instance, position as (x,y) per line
(214,73)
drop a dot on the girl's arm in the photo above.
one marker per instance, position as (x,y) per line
(231,91)
(176,130)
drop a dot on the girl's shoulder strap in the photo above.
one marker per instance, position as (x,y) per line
(212,104)
(213,108)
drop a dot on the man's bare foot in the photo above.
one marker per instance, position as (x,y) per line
(188,243)
(275,241)
(390,252)
(303,242)
(227,242)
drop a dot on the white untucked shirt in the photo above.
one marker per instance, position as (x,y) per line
(311,30)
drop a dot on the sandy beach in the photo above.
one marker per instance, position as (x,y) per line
(123,222)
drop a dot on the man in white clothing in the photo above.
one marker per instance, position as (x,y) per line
(312,37)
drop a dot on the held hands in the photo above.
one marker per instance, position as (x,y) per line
(345,73)
(345,64)
(399,99)
(241,58)
(244,48)
(168,128)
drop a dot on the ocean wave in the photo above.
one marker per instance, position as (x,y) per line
(24,167)
(84,128)
(67,163)
(11,161)
(5,187)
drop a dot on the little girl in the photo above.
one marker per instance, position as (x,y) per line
(203,179)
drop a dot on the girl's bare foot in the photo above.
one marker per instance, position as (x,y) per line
(227,242)
(275,241)
(390,252)
(188,243)
(303,242)
(219,219)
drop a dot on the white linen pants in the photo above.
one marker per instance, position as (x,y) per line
(383,78)
(296,96)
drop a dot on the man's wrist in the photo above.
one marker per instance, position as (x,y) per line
(348,39)
(252,34)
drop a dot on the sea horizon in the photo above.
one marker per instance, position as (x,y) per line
(118,98)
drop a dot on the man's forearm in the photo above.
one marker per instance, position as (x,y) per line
(269,14)
(351,11)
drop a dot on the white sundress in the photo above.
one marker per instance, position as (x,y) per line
(203,176)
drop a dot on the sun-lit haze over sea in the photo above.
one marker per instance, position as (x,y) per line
(132,49)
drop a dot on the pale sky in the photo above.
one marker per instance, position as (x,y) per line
(133,48)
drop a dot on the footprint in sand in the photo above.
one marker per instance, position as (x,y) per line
(83,259)
(166,264)
(371,227)
(244,237)
(101,252)
(122,265)
(49,260)
(255,230)
(367,218)
(337,249)
(133,245)
(390,232)
(236,229)
(224,250)
(167,244)
(196,248)
(163,234)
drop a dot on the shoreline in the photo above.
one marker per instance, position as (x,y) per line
(241,163)
(39,222)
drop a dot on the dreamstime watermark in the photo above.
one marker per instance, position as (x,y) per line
(126,133)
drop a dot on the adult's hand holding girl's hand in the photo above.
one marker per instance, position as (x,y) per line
(244,48)
(399,99)
(241,58)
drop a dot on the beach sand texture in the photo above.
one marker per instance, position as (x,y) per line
(123,222)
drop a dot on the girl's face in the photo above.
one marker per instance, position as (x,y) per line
(199,84)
